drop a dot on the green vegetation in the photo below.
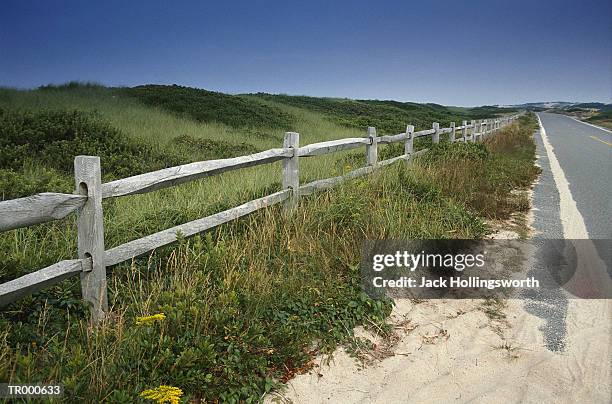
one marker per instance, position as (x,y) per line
(389,117)
(247,304)
(602,119)
(51,139)
(500,164)
(208,106)
(599,106)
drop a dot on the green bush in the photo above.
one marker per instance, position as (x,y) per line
(51,139)
(209,106)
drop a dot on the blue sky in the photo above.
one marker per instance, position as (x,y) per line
(447,52)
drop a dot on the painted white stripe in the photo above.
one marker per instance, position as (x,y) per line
(571,219)
(590,124)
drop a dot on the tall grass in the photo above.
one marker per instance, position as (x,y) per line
(249,303)
(244,302)
(243,305)
(132,217)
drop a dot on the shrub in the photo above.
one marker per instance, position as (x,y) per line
(52,139)
(209,106)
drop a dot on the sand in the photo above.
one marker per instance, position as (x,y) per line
(451,351)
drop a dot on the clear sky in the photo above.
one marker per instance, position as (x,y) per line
(448,52)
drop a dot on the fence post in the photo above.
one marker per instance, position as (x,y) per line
(436,136)
(372,148)
(409,145)
(464,131)
(90,229)
(473,131)
(452,134)
(291,170)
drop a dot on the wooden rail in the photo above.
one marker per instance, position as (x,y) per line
(87,202)
(39,208)
(169,177)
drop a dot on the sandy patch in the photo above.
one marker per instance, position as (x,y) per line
(451,351)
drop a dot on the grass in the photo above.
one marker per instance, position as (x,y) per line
(389,117)
(246,304)
(603,118)
(208,106)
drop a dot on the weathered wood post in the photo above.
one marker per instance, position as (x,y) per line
(464,131)
(436,135)
(372,148)
(409,145)
(90,228)
(291,170)
(473,124)
(452,133)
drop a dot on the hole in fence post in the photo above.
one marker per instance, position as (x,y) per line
(82,189)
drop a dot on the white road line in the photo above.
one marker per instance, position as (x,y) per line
(571,219)
(590,124)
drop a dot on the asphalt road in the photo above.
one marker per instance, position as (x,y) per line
(584,154)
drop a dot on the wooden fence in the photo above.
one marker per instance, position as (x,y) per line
(93,259)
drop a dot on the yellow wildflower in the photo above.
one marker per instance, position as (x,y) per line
(163,394)
(148,320)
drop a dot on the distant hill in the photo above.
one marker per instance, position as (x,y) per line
(562,105)
(386,115)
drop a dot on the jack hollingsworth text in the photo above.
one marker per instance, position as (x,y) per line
(455,282)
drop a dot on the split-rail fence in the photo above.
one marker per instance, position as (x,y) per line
(86,201)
